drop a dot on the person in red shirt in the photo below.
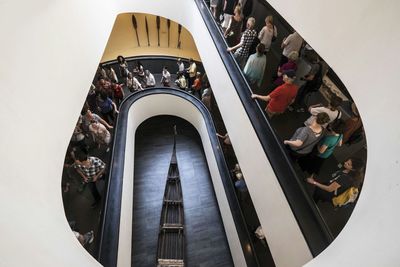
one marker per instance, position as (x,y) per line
(279,99)
(118,93)
(196,87)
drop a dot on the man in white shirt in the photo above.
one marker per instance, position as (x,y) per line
(181,67)
(150,81)
(166,77)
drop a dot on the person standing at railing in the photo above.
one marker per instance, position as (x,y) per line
(213,6)
(279,99)
(101,72)
(90,169)
(196,87)
(332,139)
(313,81)
(306,138)
(101,136)
(289,65)
(111,74)
(149,77)
(118,93)
(132,83)
(181,67)
(332,110)
(255,66)
(123,67)
(350,176)
(268,33)
(242,49)
(166,77)
(229,7)
(234,28)
(181,82)
(191,71)
(107,107)
(290,44)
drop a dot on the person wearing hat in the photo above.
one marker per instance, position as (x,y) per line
(279,99)
(291,64)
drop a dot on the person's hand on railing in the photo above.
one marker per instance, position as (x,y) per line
(254,96)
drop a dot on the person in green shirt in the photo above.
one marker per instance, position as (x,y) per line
(333,138)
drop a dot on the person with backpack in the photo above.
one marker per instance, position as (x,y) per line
(332,110)
(305,138)
(342,180)
(332,139)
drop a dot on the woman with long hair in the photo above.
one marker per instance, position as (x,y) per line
(350,176)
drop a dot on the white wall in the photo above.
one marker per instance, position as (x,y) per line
(50,50)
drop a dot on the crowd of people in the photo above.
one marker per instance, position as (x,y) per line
(310,145)
(88,154)
(325,129)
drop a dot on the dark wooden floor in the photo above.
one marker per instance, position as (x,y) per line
(206,243)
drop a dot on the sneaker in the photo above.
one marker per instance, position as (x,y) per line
(88,238)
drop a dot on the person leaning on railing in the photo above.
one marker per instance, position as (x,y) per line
(279,99)
(242,49)
(349,176)
(232,33)
(305,138)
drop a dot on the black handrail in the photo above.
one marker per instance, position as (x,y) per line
(150,57)
(109,233)
(313,226)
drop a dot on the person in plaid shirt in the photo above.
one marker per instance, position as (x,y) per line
(243,48)
(90,169)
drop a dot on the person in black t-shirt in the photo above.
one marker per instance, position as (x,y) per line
(342,180)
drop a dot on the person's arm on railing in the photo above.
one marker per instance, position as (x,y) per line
(294,143)
(328,188)
(230,49)
(265,98)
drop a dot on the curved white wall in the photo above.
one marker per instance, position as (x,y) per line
(50,51)
(359,40)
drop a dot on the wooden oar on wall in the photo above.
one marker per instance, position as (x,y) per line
(147,32)
(158,29)
(179,35)
(169,26)
(134,23)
